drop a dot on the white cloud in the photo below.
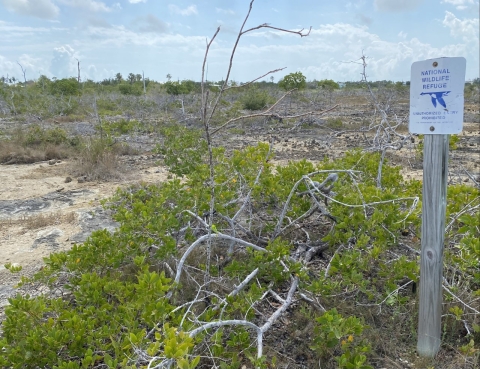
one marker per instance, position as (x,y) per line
(385,60)
(99,22)
(150,23)
(337,49)
(90,73)
(91,5)
(467,28)
(120,36)
(44,9)
(8,67)
(63,64)
(33,67)
(10,30)
(396,5)
(132,42)
(192,9)
(224,11)
(137,1)
(461,4)
(355,5)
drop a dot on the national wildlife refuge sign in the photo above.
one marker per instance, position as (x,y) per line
(436,110)
(436,96)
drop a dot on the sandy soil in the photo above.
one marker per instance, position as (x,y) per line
(41,213)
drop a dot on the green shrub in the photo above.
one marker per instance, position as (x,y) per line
(255,99)
(334,123)
(328,84)
(106,323)
(120,127)
(65,87)
(38,136)
(184,149)
(180,88)
(334,332)
(130,89)
(107,107)
(293,80)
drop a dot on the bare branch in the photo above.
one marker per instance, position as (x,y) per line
(460,300)
(471,177)
(204,96)
(225,87)
(301,33)
(230,64)
(256,79)
(276,232)
(316,304)
(207,237)
(327,270)
(414,199)
(272,115)
(465,209)
(260,330)
(394,292)
(305,215)
(223,323)
(244,283)
(281,309)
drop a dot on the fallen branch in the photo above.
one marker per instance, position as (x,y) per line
(206,238)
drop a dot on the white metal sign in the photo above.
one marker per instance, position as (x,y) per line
(436,96)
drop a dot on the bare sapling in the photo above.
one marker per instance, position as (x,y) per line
(208,111)
(239,234)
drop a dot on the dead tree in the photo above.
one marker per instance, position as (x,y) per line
(78,68)
(23,72)
(386,134)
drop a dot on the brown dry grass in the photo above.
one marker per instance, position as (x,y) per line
(38,221)
(103,167)
(99,160)
(34,144)
(96,158)
(12,153)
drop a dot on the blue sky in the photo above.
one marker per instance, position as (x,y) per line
(169,37)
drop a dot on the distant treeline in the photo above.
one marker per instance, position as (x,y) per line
(137,84)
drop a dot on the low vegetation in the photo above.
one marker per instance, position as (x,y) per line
(235,262)
(125,306)
(33,143)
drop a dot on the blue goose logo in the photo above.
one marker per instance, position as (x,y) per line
(437,97)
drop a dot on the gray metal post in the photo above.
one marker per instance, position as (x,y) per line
(435,171)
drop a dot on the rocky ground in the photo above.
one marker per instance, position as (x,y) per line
(41,211)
